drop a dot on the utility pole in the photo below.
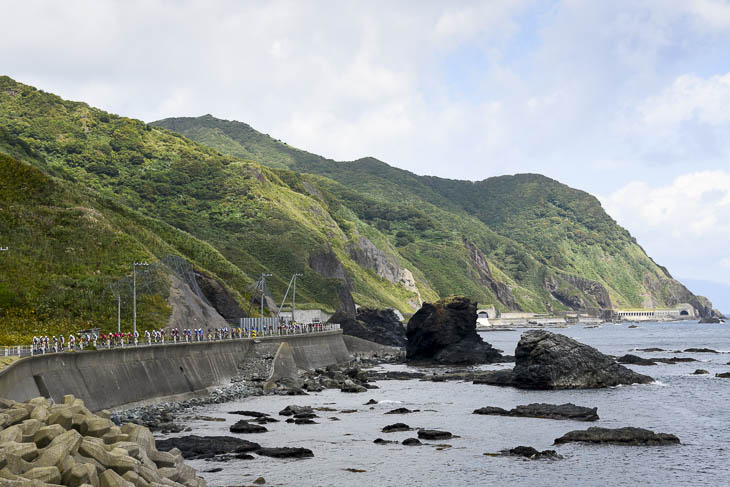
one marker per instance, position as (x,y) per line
(294,296)
(119,313)
(134,292)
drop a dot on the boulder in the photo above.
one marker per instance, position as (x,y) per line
(634,360)
(412,442)
(445,332)
(700,350)
(253,414)
(723,375)
(244,426)
(546,360)
(375,325)
(700,372)
(532,454)
(286,452)
(619,436)
(434,435)
(194,447)
(395,427)
(545,411)
(292,410)
(400,411)
(350,386)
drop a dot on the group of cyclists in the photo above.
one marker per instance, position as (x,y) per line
(84,340)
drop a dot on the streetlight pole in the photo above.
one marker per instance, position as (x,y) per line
(134,292)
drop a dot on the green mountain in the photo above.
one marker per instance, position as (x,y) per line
(558,244)
(84,193)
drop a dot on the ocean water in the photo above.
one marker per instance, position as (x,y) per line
(695,408)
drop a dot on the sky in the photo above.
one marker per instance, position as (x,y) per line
(628,100)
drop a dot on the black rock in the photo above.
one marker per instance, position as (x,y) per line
(412,442)
(533,454)
(301,421)
(392,428)
(674,360)
(700,350)
(371,401)
(700,372)
(380,441)
(434,435)
(711,319)
(395,375)
(265,420)
(723,375)
(619,436)
(215,470)
(254,414)
(545,360)
(376,325)
(445,333)
(400,411)
(634,360)
(292,410)
(193,446)
(285,452)
(350,386)
(545,411)
(652,349)
(305,416)
(244,426)
(243,456)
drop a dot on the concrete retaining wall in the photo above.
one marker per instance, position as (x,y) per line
(112,378)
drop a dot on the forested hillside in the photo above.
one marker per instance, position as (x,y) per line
(85,193)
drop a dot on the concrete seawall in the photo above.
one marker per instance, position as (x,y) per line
(112,378)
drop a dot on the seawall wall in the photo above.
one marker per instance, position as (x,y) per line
(112,378)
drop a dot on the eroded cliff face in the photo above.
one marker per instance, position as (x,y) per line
(501,290)
(188,310)
(577,292)
(326,264)
(217,295)
(368,256)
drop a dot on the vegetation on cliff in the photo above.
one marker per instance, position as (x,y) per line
(84,193)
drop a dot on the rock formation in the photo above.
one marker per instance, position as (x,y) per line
(445,333)
(376,325)
(546,360)
(43,443)
(545,411)
(619,436)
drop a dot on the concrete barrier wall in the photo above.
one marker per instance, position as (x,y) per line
(112,378)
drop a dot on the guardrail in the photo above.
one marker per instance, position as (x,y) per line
(252,328)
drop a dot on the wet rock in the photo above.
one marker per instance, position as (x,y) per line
(194,447)
(723,375)
(700,372)
(401,411)
(348,411)
(292,410)
(350,386)
(380,441)
(445,333)
(700,350)
(395,427)
(533,454)
(546,360)
(245,427)
(674,360)
(434,435)
(209,418)
(395,375)
(253,414)
(711,320)
(260,481)
(285,452)
(371,401)
(634,360)
(619,436)
(545,411)
(412,442)
(651,349)
(301,421)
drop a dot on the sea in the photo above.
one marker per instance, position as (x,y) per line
(696,408)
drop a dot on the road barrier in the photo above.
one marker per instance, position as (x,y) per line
(249,328)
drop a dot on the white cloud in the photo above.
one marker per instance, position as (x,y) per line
(690,97)
(686,222)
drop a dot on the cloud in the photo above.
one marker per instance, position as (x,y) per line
(686,222)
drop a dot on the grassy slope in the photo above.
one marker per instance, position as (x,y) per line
(546,226)
(257,219)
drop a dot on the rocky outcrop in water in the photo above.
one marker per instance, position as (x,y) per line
(44,443)
(531,453)
(376,325)
(445,333)
(545,411)
(546,360)
(619,436)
